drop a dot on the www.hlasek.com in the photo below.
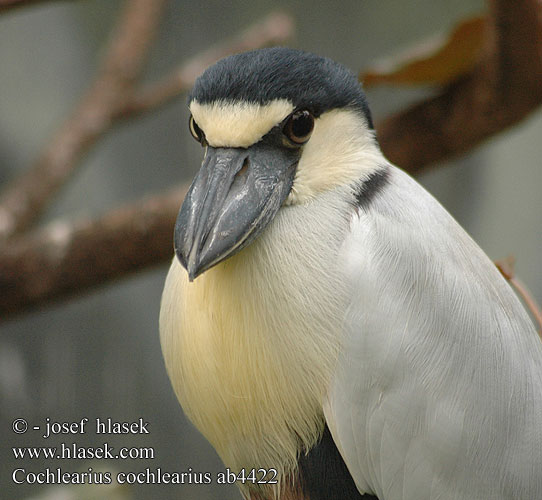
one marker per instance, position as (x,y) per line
(70,451)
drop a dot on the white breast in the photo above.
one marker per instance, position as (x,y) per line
(251,344)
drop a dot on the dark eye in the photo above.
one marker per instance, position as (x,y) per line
(299,126)
(196,132)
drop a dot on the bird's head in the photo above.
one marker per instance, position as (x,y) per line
(278,126)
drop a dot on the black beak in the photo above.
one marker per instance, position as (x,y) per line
(236,193)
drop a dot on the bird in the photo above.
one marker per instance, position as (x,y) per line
(325,323)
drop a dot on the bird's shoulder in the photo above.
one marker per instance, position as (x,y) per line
(439,357)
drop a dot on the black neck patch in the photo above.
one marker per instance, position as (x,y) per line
(370,187)
(306,80)
(323,475)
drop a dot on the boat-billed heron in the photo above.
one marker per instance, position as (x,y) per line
(325,318)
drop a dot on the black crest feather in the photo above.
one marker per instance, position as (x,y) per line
(260,76)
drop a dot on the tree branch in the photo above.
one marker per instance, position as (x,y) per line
(112,97)
(275,28)
(24,200)
(502,90)
(6,5)
(65,258)
(68,257)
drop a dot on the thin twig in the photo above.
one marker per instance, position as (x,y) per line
(24,200)
(527,297)
(506,267)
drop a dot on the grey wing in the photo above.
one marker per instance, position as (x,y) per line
(438,389)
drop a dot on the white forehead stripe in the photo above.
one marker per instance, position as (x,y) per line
(238,124)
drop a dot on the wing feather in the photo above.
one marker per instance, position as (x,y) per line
(438,390)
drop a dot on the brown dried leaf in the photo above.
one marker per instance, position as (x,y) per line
(437,61)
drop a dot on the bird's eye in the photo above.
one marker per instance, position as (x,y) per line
(196,132)
(299,127)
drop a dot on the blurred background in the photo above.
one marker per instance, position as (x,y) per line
(98,355)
